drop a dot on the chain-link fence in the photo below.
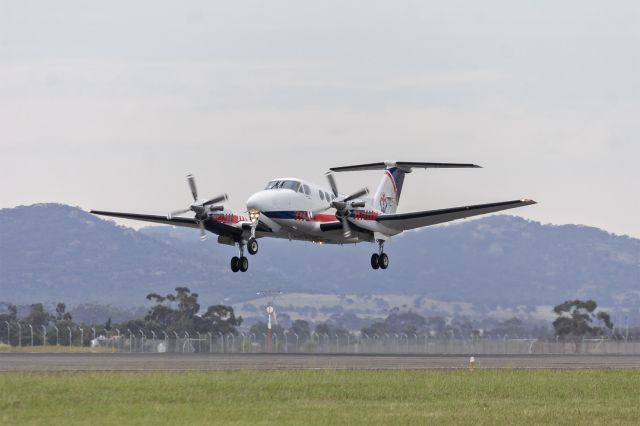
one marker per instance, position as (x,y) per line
(25,335)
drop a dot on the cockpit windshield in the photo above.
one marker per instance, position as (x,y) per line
(284,184)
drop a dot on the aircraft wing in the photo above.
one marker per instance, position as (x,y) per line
(210,225)
(406,221)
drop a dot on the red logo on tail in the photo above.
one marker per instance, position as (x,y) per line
(383,202)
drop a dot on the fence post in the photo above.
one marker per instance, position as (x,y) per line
(142,336)
(31,328)
(130,340)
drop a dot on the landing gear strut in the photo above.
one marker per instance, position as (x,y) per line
(240,263)
(380,259)
(252,244)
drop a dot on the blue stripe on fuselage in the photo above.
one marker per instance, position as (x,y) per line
(282,214)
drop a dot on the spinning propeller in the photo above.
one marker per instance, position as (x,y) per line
(200,209)
(342,204)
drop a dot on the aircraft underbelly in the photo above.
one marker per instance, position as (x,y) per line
(304,230)
(300,227)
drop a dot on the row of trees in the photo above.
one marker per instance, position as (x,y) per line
(576,319)
(179,312)
(175,312)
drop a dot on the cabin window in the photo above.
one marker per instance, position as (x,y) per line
(306,189)
(326,194)
(321,195)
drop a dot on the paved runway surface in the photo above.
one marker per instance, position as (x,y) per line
(218,362)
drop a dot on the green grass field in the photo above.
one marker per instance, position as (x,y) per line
(323,397)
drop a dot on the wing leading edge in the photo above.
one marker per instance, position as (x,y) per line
(406,221)
(210,225)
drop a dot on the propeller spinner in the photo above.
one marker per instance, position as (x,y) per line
(200,208)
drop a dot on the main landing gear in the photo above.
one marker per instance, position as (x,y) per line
(380,259)
(240,263)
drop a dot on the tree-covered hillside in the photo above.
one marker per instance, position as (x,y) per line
(52,252)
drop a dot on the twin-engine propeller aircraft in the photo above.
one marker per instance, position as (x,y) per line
(298,210)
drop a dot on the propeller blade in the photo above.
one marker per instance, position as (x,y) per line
(346,230)
(357,194)
(192,184)
(178,212)
(332,183)
(203,234)
(216,200)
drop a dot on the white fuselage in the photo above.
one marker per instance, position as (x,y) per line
(298,210)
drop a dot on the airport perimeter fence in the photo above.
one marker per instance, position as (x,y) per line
(353,345)
(174,342)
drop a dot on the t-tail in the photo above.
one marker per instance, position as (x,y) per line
(387,196)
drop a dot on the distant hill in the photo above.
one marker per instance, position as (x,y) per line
(52,252)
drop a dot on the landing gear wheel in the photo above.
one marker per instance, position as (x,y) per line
(235,264)
(243,264)
(374,261)
(383,261)
(252,246)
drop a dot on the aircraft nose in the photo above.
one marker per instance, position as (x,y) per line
(269,200)
(257,201)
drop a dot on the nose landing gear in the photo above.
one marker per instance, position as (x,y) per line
(240,263)
(252,246)
(380,259)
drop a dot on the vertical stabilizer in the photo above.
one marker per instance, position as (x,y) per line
(387,196)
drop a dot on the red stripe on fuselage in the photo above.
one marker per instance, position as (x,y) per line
(303,215)
(365,215)
(324,218)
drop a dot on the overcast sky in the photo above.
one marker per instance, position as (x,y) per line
(108,105)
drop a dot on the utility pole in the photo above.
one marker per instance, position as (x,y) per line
(270,312)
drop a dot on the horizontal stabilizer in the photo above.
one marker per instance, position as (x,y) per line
(405,166)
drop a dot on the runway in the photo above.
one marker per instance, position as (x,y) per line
(50,362)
